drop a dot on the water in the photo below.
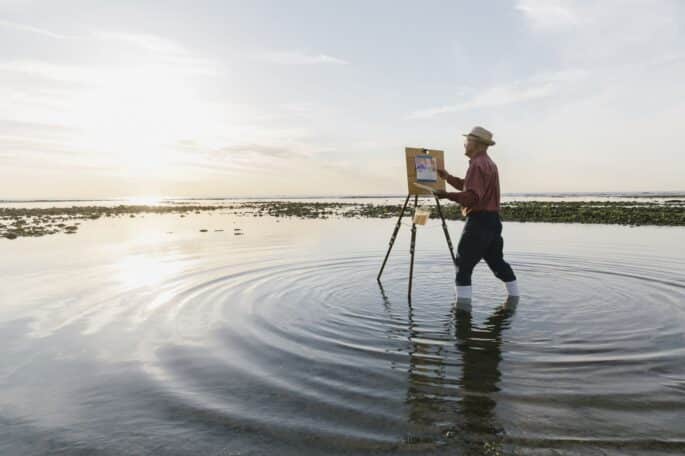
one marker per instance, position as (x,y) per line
(145,336)
(642,197)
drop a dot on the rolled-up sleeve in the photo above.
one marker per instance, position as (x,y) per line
(474,188)
(455,182)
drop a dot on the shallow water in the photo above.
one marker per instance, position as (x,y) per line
(641,197)
(145,336)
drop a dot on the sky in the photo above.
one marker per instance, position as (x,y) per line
(104,99)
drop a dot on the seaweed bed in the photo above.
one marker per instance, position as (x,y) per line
(23,222)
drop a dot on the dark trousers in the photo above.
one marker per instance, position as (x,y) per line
(482,239)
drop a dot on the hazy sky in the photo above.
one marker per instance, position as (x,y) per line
(218,98)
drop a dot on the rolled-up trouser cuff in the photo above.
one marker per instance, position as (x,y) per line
(512,288)
(463,292)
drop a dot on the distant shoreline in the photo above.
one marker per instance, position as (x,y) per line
(18,222)
(645,194)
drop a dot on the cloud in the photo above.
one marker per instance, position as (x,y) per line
(538,86)
(35,151)
(244,161)
(493,96)
(604,33)
(27,128)
(57,72)
(166,52)
(548,13)
(254,150)
(31,29)
(148,42)
(299,58)
(247,151)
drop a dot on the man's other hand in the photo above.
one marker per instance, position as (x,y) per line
(440,194)
(442,173)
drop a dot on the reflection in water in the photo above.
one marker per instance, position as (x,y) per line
(276,343)
(480,347)
(453,378)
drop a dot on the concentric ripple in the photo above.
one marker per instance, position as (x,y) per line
(287,354)
(318,352)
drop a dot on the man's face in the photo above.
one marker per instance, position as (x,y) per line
(471,146)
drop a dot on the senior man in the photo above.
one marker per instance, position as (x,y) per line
(479,198)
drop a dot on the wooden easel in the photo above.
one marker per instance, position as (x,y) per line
(416,192)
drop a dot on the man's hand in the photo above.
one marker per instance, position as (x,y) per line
(443,174)
(440,194)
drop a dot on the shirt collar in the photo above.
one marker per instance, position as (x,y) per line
(479,156)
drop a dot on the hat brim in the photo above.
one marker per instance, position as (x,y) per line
(479,139)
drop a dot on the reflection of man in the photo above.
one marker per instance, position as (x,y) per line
(480,204)
(481,354)
(433,387)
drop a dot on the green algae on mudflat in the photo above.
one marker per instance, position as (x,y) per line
(36,222)
(602,212)
(32,222)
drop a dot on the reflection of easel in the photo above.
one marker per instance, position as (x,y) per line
(439,184)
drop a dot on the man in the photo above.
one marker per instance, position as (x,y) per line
(480,204)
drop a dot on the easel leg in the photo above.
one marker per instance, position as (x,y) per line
(411,248)
(447,233)
(393,237)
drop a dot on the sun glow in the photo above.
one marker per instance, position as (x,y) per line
(148,200)
(132,119)
(144,270)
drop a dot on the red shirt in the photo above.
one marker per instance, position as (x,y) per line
(480,186)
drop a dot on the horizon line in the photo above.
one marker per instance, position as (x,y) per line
(343,196)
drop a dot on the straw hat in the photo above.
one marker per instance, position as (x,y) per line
(482,135)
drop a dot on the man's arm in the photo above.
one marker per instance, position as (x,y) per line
(468,198)
(452,180)
(455,182)
(473,194)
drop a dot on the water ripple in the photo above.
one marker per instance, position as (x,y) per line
(313,354)
(315,349)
